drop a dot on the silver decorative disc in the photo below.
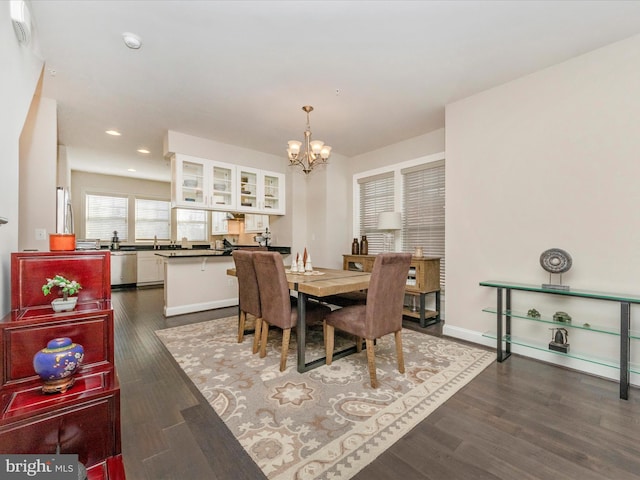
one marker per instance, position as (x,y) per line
(555,260)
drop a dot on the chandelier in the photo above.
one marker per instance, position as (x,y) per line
(315,151)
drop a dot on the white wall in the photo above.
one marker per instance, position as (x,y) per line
(549,160)
(21,66)
(84,182)
(38,172)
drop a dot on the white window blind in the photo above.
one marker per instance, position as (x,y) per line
(376,195)
(424,209)
(104,214)
(153,219)
(191,224)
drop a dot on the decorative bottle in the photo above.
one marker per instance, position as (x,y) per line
(355,247)
(364,246)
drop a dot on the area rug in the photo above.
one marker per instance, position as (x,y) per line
(327,423)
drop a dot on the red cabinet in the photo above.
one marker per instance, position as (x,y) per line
(85,420)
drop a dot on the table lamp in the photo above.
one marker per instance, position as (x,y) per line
(389,222)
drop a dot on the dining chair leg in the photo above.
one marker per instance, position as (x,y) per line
(371,362)
(358,344)
(256,335)
(241,321)
(328,343)
(286,336)
(263,340)
(399,354)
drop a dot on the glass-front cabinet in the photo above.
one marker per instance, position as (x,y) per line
(203,184)
(261,191)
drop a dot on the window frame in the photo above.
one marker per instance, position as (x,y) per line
(143,198)
(398,204)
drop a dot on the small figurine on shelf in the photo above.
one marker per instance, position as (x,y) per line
(559,340)
(294,264)
(308,267)
(300,264)
(533,313)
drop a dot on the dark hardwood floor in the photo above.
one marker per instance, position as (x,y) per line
(521,419)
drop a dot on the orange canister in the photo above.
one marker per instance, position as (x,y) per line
(62,241)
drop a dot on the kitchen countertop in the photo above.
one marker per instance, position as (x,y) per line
(187,253)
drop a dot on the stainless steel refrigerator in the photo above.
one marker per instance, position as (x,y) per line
(64,211)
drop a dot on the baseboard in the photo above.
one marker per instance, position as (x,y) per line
(548,357)
(199,307)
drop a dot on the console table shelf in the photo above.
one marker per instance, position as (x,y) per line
(504,314)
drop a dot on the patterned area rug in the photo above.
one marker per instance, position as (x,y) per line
(328,423)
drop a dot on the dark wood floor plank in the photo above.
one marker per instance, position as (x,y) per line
(519,419)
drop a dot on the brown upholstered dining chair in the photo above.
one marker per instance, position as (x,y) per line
(248,294)
(276,302)
(381,315)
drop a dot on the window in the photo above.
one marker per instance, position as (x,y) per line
(424,208)
(191,224)
(376,195)
(153,219)
(104,215)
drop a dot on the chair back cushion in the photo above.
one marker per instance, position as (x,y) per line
(274,289)
(248,291)
(385,296)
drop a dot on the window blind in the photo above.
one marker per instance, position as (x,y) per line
(191,224)
(104,214)
(153,219)
(376,195)
(424,210)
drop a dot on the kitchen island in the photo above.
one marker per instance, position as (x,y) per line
(196,280)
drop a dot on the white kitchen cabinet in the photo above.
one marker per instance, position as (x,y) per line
(219,223)
(201,183)
(255,223)
(150,268)
(260,191)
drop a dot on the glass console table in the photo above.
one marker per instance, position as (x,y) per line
(504,314)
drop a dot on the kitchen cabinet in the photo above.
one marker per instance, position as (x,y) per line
(255,223)
(260,191)
(150,268)
(219,223)
(203,184)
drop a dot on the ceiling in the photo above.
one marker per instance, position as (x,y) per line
(238,72)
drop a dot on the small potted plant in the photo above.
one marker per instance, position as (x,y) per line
(68,289)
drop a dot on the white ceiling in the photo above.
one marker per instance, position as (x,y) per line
(238,72)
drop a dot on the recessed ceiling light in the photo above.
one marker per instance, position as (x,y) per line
(132,40)
(115,133)
(131,169)
(143,150)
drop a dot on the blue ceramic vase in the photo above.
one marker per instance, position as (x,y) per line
(57,363)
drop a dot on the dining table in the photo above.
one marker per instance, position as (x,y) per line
(319,283)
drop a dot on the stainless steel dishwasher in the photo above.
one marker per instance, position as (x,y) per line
(124,268)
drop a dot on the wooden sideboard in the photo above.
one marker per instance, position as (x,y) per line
(84,420)
(423,279)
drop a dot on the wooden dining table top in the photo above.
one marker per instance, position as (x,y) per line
(323,282)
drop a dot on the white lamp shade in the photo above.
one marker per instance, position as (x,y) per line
(389,221)
(294,146)
(316,146)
